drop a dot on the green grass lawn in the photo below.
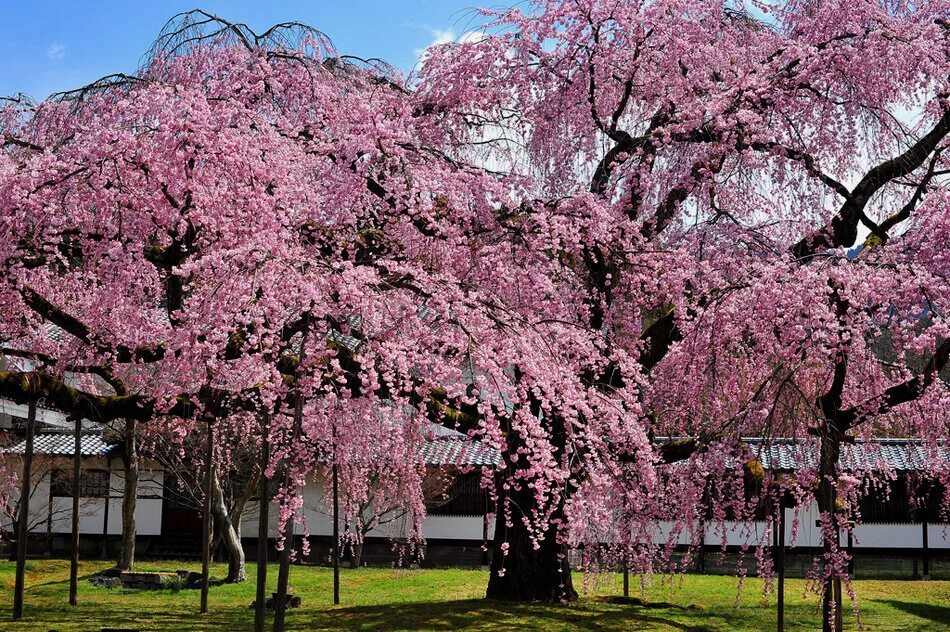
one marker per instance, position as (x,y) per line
(384,599)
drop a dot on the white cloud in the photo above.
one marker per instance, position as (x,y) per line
(56,50)
(446,36)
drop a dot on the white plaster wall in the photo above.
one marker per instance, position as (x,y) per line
(43,415)
(148,507)
(938,536)
(320,521)
(456,527)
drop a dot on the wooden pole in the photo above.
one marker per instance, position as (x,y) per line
(206,526)
(485,529)
(105,514)
(851,551)
(283,570)
(780,562)
(23,524)
(77,472)
(336,534)
(926,549)
(260,612)
(283,573)
(839,619)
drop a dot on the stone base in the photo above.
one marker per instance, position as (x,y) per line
(113,578)
(293,601)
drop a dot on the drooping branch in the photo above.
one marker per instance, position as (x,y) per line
(907,391)
(842,230)
(74,326)
(883,229)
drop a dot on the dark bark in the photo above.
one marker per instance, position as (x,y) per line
(260,610)
(23,516)
(22,387)
(842,230)
(530,574)
(130,484)
(357,559)
(336,528)
(206,526)
(283,571)
(827,495)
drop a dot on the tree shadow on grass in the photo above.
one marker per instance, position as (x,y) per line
(43,617)
(483,614)
(931,612)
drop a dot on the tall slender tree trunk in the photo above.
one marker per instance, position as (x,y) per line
(206,515)
(130,485)
(283,570)
(260,611)
(830,450)
(23,516)
(229,535)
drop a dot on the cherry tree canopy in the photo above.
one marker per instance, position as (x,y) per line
(765,215)
(600,224)
(254,223)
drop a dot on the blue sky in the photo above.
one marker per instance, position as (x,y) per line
(57,45)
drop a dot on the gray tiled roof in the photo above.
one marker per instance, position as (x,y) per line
(448,447)
(61,444)
(892,454)
(458,451)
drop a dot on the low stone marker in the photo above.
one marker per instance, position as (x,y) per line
(148,581)
(293,601)
(113,578)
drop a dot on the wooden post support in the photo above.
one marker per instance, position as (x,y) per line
(485,529)
(206,526)
(626,579)
(851,551)
(77,472)
(781,571)
(336,534)
(836,583)
(926,549)
(105,513)
(23,522)
(283,572)
(260,611)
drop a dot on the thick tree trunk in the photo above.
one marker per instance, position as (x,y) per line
(527,573)
(530,574)
(229,535)
(130,467)
(357,554)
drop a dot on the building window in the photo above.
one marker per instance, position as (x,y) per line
(464,497)
(92,484)
(907,499)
